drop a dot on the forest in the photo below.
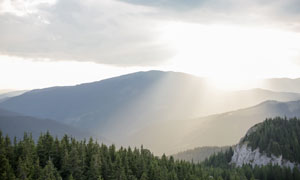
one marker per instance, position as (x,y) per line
(51,158)
(278,136)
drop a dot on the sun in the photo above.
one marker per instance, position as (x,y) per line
(232,56)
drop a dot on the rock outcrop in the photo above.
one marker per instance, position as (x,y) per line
(245,155)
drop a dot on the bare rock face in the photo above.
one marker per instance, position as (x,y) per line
(244,155)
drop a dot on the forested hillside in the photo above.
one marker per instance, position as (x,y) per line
(54,159)
(274,141)
(277,136)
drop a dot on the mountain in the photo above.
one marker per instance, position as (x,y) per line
(14,124)
(216,130)
(122,107)
(6,95)
(282,84)
(199,154)
(114,106)
(274,141)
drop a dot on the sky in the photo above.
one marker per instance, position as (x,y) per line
(47,43)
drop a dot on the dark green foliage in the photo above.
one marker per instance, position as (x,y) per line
(50,172)
(221,159)
(68,159)
(277,136)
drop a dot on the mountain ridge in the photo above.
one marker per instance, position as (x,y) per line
(224,129)
(121,108)
(15,124)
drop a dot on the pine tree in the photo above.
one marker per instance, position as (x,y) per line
(50,172)
(70,177)
(6,171)
(144,176)
(94,169)
(37,170)
(78,160)
(45,148)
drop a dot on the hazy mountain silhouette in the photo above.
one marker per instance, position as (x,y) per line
(282,84)
(215,130)
(199,154)
(6,95)
(120,107)
(14,124)
(124,102)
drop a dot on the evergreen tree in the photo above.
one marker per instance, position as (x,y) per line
(94,169)
(78,160)
(50,172)
(6,171)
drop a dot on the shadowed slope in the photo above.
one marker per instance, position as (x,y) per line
(15,124)
(216,130)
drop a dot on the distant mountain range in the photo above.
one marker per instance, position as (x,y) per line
(216,130)
(282,84)
(14,124)
(4,95)
(155,108)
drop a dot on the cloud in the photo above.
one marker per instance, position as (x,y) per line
(278,13)
(170,4)
(104,31)
(122,32)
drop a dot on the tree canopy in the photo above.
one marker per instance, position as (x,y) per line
(54,159)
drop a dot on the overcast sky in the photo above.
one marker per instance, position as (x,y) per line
(63,42)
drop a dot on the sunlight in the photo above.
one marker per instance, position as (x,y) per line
(21,73)
(229,55)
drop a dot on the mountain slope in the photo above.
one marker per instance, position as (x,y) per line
(274,141)
(199,154)
(120,107)
(108,106)
(282,84)
(6,95)
(216,130)
(15,124)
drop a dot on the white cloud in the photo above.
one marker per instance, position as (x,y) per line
(23,7)
(130,34)
(270,13)
(104,31)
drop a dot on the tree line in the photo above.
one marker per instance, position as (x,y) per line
(51,158)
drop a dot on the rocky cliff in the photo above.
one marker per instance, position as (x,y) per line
(245,155)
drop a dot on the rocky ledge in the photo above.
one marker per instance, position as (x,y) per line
(244,155)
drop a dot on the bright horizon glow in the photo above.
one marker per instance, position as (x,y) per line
(232,57)
(24,74)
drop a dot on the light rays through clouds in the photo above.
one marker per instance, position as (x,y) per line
(230,42)
(228,55)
